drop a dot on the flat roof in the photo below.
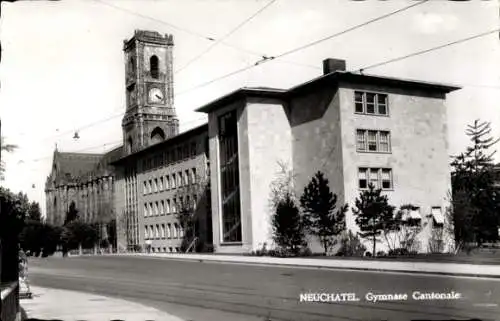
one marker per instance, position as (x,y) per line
(331,78)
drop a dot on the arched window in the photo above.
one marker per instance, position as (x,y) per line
(131,65)
(157,135)
(129,145)
(153,66)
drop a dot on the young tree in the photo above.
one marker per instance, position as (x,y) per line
(473,181)
(14,208)
(320,213)
(288,232)
(9,148)
(34,212)
(188,197)
(401,233)
(373,214)
(72,214)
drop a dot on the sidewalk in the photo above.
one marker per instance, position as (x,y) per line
(456,269)
(61,305)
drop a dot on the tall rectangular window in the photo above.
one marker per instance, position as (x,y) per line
(145,188)
(145,210)
(363,178)
(173,181)
(162,207)
(374,179)
(179,179)
(156,209)
(174,206)
(186,177)
(360,140)
(157,231)
(169,230)
(155,185)
(146,234)
(372,141)
(163,231)
(167,209)
(193,175)
(229,174)
(150,209)
(384,141)
(160,187)
(386,178)
(167,182)
(370,103)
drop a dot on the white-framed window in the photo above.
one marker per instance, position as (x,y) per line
(145,188)
(179,179)
(163,231)
(174,206)
(186,177)
(379,177)
(193,175)
(173,181)
(162,207)
(157,231)
(371,103)
(160,187)
(156,208)
(150,186)
(195,201)
(169,230)
(155,185)
(151,232)
(150,209)
(146,234)
(167,182)
(176,230)
(167,207)
(181,231)
(145,210)
(373,141)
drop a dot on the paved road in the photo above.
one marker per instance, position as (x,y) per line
(202,291)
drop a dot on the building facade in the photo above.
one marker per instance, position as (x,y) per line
(357,129)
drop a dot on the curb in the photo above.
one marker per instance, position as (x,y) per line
(308,266)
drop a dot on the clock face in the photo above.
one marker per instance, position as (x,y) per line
(155,95)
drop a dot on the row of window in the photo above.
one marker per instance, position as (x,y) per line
(170,156)
(373,141)
(163,231)
(170,207)
(379,177)
(371,103)
(170,181)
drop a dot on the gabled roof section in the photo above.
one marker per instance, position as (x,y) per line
(67,167)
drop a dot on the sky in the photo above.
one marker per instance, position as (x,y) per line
(62,67)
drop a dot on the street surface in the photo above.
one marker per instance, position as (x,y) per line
(218,292)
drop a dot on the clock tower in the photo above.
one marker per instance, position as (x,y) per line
(150,115)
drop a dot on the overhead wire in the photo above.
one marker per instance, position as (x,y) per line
(227,35)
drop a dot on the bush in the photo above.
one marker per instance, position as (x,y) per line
(368,254)
(351,246)
(381,253)
(399,252)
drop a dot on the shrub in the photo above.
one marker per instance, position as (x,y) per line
(351,246)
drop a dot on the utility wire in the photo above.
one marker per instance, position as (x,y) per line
(286,53)
(429,50)
(103,145)
(267,59)
(227,35)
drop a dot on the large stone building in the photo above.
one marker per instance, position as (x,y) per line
(357,129)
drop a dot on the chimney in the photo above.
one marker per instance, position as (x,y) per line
(332,65)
